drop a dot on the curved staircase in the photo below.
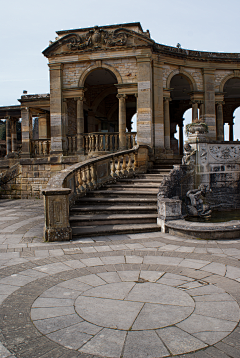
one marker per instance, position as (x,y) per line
(127,206)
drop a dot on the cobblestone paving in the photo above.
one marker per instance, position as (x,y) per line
(132,296)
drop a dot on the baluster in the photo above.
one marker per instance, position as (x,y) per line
(93,176)
(49,146)
(124,166)
(84,178)
(86,144)
(118,169)
(129,166)
(89,182)
(135,164)
(92,143)
(111,142)
(101,142)
(113,168)
(74,144)
(43,147)
(134,139)
(80,181)
(97,145)
(115,142)
(106,142)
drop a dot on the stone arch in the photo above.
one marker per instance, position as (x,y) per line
(100,98)
(225,79)
(185,74)
(91,68)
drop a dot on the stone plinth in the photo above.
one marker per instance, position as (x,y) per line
(168,209)
(56,203)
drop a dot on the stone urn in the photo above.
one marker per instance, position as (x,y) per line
(196,129)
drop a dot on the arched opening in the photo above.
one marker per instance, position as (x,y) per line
(101,102)
(180,102)
(231,110)
(107,112)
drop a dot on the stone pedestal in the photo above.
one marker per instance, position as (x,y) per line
(56,206)
(168,209)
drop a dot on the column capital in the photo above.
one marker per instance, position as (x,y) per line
(80,98)
(219,103)
(166,98)
(121,96)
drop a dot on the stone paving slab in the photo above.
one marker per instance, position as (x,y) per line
(155,295)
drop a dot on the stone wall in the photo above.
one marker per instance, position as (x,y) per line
(32,177)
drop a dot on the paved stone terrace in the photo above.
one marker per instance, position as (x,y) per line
(142,295)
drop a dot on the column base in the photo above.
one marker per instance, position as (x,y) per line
(61,234)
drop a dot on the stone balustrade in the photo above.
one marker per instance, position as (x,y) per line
(75,181)
(101,142)
(72,144)
(40,147)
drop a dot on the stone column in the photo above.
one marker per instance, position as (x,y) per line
(14,135)
(231,131)
(43,126)
(201,110)
(122,121)
(80,125)
(180,126)
(209,102)
(167,127)
(145,102)
(158,107)
(65,125)
(194,111)
(220,129)
(56,105)
(26,132)
(8,136)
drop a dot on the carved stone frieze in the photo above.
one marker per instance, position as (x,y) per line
(230,152)
(98,38)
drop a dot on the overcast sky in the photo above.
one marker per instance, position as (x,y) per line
(27,26)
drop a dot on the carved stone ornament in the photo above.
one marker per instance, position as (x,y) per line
(98,38)
(231,152)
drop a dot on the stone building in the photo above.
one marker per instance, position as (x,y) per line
(99,79)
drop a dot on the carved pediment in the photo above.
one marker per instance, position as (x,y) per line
(98,38)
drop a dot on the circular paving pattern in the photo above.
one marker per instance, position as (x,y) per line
(123,312)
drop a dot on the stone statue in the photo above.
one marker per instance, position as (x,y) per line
(189,154)
(196,206)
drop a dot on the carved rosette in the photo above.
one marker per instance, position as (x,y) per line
(98,38)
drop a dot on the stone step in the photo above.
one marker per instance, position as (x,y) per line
(130,193)
(154,187)
(151,176)
(85,231)
(113,209)
(112,219)
(141,180)
(159,171)
(118,200)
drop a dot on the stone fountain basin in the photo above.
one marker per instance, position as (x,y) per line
(207,231)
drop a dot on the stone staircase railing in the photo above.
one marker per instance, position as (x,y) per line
(101,142)
(40,147)
(75,181)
